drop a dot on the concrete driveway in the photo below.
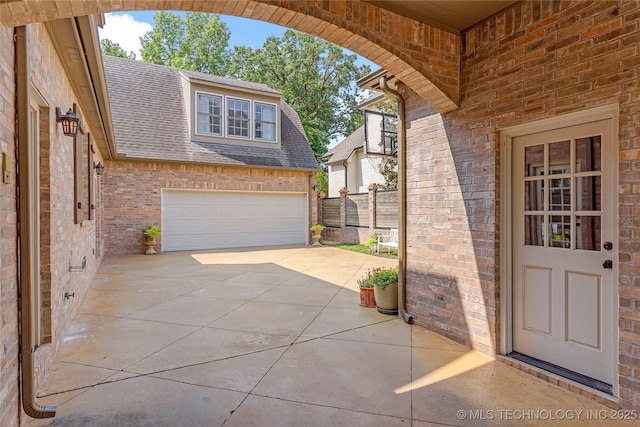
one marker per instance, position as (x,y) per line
(273,337)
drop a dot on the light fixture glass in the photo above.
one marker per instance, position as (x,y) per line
(99,168)
(69,122)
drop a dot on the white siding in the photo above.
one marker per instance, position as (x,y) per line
(336,180)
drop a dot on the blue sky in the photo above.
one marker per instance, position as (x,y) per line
(125,28)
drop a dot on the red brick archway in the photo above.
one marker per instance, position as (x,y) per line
(425,58)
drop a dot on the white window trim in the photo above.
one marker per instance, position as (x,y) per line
(222,115)
(224,125)
(275,123)
(249,137)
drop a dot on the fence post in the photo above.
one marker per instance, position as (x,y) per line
(373,192)
(343,207)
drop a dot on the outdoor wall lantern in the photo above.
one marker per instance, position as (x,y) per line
(69,121)
(99,168)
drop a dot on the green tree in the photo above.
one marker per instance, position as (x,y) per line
(114,49)
(198,42)
(322,181)
(316,77)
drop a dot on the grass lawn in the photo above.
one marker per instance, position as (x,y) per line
(364,249)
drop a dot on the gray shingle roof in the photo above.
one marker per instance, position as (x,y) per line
(150,120)
(343,150)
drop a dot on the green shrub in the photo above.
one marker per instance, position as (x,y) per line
(152,232)
(380,276)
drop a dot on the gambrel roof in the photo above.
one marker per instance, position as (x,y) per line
(151,122)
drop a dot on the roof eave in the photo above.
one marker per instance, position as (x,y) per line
(79,37)
(372,80)
(274,93)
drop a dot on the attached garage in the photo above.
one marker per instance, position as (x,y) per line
(194,220)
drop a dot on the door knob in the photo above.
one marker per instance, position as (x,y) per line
(607,245)
(608,264)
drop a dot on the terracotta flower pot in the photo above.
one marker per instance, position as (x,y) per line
(387,298)
(367,297)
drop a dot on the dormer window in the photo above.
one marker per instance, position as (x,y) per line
(237,118)
(209,114)
(229,118)
(265,122)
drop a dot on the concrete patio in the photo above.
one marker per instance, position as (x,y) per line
(275,337)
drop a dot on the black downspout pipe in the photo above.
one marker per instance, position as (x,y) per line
(26,275)
(402,203)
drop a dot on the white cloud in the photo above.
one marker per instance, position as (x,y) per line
(124,30)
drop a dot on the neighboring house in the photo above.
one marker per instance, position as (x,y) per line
(349,167)
(489,89)
(215,162)
(347,163)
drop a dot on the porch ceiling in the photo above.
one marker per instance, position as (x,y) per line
(452,16)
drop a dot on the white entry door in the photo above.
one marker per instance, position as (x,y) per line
(201,219)
(563,251)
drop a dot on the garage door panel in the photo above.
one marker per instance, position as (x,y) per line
(195,220)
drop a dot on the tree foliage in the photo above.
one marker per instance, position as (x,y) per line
(316,78)
(111,48)
(198,42)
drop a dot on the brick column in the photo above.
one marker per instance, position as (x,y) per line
(373,191)
(343,206)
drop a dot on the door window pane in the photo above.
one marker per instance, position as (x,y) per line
(560,194)
(589,193)
(588,230)
(588,154)
(559,153)
(533,230)
(533,160)
(559,231)
(533,195)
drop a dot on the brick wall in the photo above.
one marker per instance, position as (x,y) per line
(62,241)
(423,56)
(533,61)
(9,380)
(132,193)
(68,243)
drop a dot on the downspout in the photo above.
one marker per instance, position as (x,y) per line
(26,276)
(402,202)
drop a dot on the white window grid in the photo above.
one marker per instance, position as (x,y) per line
(251,121)
(261,124)
(213,114)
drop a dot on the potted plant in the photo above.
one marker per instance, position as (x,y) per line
(367,298)
(151,233)
(316,233)
(385,288)
(372,242)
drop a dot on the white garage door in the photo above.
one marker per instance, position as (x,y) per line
(213,220)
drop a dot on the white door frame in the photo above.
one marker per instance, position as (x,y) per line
(506,136)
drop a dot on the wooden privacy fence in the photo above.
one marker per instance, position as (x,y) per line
(354,218)
(357,210)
